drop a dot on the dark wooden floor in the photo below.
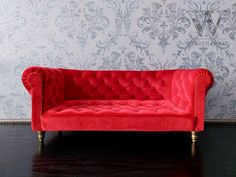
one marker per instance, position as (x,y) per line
(118,154)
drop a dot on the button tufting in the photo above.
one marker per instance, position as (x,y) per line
(114,107)
(115,85)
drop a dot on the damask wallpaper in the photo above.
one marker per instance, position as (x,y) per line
(119,35)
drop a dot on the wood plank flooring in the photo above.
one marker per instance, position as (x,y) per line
(117,154)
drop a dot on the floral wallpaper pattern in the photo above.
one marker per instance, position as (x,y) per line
(120,35)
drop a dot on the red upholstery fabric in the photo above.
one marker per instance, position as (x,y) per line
(121,85)
(114,115)
(65,99)
(46,86)
(189,89)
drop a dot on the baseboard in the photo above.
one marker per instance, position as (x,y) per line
(28,121)
(15,121)
(217,121)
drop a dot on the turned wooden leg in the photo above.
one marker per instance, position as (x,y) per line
(40,148)
(41,135)
(194,136)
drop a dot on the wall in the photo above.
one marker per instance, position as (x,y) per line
(118,34)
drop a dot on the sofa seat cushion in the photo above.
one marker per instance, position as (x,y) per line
(115,108)
(116,115)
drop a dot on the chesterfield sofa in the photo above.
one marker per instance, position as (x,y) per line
(84,100)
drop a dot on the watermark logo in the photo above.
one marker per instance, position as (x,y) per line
(201,19)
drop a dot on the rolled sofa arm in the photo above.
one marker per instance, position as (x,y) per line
(46,87)
(189,88)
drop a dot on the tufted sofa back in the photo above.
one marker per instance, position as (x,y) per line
(124,85)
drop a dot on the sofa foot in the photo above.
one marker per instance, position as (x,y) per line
(194,136)
(40,148)
(41,135)
(193,150)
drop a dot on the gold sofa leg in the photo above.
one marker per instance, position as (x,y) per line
(193,150)
(194,140)
(41,135)
(194,136)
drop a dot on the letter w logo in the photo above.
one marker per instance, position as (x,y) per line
(201,18)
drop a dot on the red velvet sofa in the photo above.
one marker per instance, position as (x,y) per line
(68,100)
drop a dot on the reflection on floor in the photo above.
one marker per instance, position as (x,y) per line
(117,154)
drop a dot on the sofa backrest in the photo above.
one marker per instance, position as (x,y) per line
(111,85)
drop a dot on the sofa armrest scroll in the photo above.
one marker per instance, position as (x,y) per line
(33,83)
(46,87)
(189,89)
(203,82)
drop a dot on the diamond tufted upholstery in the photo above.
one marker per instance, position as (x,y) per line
(51,82)
(67,99)
(116,115)
(121,85)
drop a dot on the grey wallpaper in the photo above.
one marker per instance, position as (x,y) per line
(120,35)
